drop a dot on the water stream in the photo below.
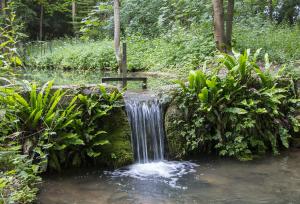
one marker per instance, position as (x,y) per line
(270,180)
(154,180)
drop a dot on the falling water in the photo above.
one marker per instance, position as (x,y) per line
(146,118)
(147,129)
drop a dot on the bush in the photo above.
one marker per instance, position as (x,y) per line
(39,131)
(53,132)
(242,113)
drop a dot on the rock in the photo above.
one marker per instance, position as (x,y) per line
(119,152)
(174,140)
(295,142)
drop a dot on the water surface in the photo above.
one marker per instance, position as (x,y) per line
(81,77)
(269,180)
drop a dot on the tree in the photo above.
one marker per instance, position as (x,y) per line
(219,27)
(229,22)
(117,32)
(223,37)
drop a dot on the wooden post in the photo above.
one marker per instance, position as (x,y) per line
(124,65)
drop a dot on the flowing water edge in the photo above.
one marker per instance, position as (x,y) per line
(213,180)
(153,180)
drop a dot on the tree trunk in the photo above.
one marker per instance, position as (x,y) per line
(3,5)
(117,32)
(219,30)
(73,11)
(271,9)
(229,22)
(41,22)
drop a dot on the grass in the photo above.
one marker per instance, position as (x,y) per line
(177,52)
(281,42)
(180,50)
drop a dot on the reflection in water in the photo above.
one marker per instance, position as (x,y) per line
(271,180)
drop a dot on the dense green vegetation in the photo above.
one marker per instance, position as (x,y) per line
(53,132)
(229,114)
(180,50)
(280,41)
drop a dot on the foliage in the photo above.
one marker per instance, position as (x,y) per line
(230,113)
(95,107)
(288,10)
(41,124)
(178,50)
(53,132)
(41,131)
(56,17)
(281,41)
(74,54)
(97,24)
(9,37)
(18,177)
(155,17)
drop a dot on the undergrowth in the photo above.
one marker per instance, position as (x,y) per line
(242,114)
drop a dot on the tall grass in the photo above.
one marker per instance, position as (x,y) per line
(178,50)
(282,42)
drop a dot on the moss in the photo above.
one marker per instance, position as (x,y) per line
(118,152)
(175,142)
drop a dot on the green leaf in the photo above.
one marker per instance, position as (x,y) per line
(239,111)
(101,142)
(203,96)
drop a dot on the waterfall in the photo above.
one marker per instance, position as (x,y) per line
(146,119)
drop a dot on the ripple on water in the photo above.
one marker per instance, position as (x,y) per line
(168,172)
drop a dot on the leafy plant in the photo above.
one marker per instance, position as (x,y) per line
(18,177)
(9,37)
(94,108)
(229,113)
(42,125)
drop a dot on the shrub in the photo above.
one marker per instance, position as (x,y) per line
(53,132)
(40,131)
(242,113)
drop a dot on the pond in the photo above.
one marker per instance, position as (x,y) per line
(81,77)
(209,180)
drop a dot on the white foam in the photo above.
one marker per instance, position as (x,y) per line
(167,172)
